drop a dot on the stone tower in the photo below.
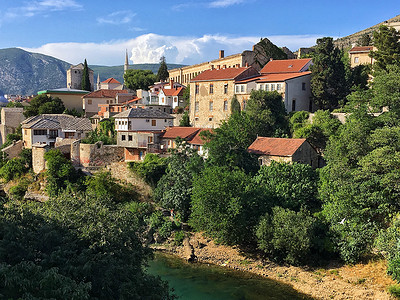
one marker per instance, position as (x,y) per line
(98,82)
(126,65)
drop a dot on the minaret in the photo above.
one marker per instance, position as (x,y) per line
(98,82)
(126,66)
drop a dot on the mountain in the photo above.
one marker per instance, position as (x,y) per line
(348,41)
(26,73)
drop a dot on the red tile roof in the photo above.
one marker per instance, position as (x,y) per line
(275,146)
(281,77)
(173,92)
(197,140)
(134,99)
(105,94)
(183,132)
(111,80)
(286,66)
(361,49)
(221,74)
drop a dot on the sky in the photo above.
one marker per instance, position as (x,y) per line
(184,31)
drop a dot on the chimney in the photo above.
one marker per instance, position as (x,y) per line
(221,53)
(171,83)
(224,66)
(271,59)
(218,67)
(247,64)
(212,67)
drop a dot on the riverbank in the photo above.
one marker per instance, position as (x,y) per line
(361,281)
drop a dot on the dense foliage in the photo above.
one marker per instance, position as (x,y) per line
(85,82)
(139,79)
(151,169)
(43,104)
(162,74)
(386,39)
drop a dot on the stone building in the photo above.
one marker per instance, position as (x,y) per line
(74,77)
(91,101)
(211,93)
(11,118)
(284,150)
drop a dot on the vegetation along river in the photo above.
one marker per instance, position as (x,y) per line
(202,281)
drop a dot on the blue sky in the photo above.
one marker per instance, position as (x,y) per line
(184,31)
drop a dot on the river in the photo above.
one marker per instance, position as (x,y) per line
(209,282)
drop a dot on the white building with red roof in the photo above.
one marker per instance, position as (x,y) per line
(111,84)
(171,97)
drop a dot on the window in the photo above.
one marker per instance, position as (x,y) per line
(210,119)
(39,132)
(356,60)
(53,133)
(225,88)
(69,135)
(267,87)
(150,139)
(303,86)
(162,99)
(210,106)
(242,88)
(196,91)
(89,101)
(293,104)
(237,88)
(196,106)
(278,87)
(272,87)
(123,137)
(153,122)
(225,105)
(129,137)
(211,88)
(147,120)
(196,119)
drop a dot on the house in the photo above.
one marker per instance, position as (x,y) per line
(167,139)
(109,84)
(152,95)
(360,56)
(46,128)
(138,130)
(72,98)
(74,77)
(171,97)
(211,93)
(283,150)
(91,101)
(197,143)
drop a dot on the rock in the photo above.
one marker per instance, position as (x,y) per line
(188,251)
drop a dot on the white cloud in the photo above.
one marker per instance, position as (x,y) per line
(225,3)
(117,18)
(148,48)
(33,8)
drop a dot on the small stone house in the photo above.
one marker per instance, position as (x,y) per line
(284,150)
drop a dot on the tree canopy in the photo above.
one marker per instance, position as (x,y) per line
(43,104)
(386,40)
(162,74)
(139,79)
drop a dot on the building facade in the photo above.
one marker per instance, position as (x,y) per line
(74,77)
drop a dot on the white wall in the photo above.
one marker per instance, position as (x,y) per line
(294,91)
(142,124)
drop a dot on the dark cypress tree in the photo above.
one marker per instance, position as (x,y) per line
(162,74)
(235,105)
(85,83)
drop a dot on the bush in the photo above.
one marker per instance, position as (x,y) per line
(151,169)
(14,168)
(179,237)
(166,229)
(17,192)
(394,290)
(156,219)
(287,235)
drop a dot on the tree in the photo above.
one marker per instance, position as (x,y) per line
(328,81)
(162,74)
(364,40)
(185,121)
(43,104)
(235,105)
(85,83)
(186,98)
(386,40)
(151,169)
(139,79)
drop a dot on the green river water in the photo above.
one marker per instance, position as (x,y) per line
(209,282)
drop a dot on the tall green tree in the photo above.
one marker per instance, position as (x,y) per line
(162,74)
(235,105)
(139,79)
(85,83)
(43,104)
(386,40)
(364,40)
(328,78)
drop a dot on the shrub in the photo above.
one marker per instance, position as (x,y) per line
(151,169)
(17,192)
(179,237)
(166,229)
(394,290)
(14,168)
(287,235)
(156,219)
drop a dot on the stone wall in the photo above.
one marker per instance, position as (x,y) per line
(14,149)
(38,161)
(95,155)
(11,118)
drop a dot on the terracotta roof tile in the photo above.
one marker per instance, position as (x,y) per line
(183,132)
(104,94)
(173,92)
(286,66)
(111,80)
(221,74)
(197,140)
(281,77)
(275,146)
(361,49)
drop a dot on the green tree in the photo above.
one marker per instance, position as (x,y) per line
(162,74)
(364,40)
(14,104)
(185,121)
(186,97)
(85,83)
(386,40)
(151,169)
(235,105)
(43,104)
(175,187)
(328,81)
(139,79)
